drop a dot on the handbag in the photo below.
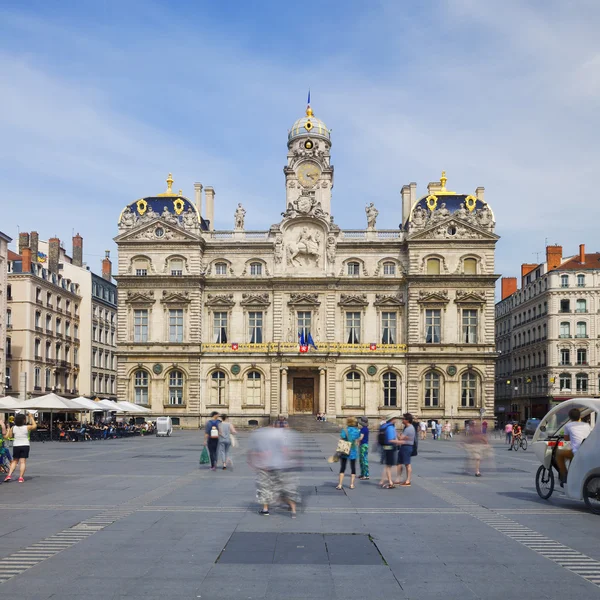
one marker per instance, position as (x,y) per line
(344,446)
(204,458)
(233,441)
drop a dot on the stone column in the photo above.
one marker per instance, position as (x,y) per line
(209,194)
(322,388)
(283,405)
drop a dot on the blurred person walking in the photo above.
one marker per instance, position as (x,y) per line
(226,430)
(19,432)
(211,438)
(477,448)
(363,450)
(406,441)
(272,453)
(350,434)
(388,440)
(508,430)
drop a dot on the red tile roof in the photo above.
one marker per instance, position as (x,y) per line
(14,256)
(592,261)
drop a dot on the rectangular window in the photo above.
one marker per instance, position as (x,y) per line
(581,356)
(353,328)
(76,331)
(141,272)
(255,324)
(256,269)
(140,325)
(433,326)
(221,269)
(432,389)
(469,319)
(177,267)
(220,327)
(175,325)
(37,378)
(48,381)
(565,356)
(388,328)
(38,319)
(304,323)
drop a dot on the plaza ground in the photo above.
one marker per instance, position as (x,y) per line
(138,518)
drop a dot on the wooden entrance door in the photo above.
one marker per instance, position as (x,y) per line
(304,395)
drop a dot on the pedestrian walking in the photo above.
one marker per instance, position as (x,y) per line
(388,440)
(484,427)
(508,431)
(438,430)
(272,453)
(211,438)
(226,430)
(477,448)
(19,432)
(433,429)
(423,430)
(406,441)
(447,430)
(350,434)
(363,450)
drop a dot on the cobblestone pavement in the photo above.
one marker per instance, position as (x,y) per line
(139,518)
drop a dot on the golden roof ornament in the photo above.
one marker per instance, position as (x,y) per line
(169,191)
(309,111)
(443,180)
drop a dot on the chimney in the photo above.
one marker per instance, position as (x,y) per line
(553,257)
(582,254)
(406,205)
(509,286)
(26,262)
(527,268)
(77,250)
(23,241)
(198,195)
(480,193)
(210,207)
(53,254)
(107,266)
(34,239)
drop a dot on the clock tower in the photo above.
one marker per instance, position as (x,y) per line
(308,171)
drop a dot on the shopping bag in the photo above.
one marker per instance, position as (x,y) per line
(204,458)
(234,442)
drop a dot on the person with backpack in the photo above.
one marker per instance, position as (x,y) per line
(351,434)
(211,438)
(407,444)
(387,439)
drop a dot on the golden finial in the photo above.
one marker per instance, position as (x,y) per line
(181,192)
(309,111)
(443,180)
(170,184)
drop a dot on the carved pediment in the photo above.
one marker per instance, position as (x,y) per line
(389,300)
(453,229)
(433,297)
(470,297)
(220,300)
(175,297)
(261,300)
(304,299)
(353,300)
(157,230)
(140,297)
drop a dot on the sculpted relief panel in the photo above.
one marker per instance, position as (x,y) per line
(304,244)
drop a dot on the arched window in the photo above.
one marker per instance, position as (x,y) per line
(565,329)
(256,268)
(38,319)
(581,382)
(389,268)
(48,379)
(390,389)
(433,266)
(580,280)
(581,305)
(217,388)
(176,266)
(141,266)
(37,348)
(470,266)
(468,390)
(581,329)
(175,387)
(565,382)
(564,281)
(352,391)
(141,387)
(254,389)
(432,389)
(220,268)
(353,268)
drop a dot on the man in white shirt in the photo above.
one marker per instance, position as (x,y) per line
(575,432)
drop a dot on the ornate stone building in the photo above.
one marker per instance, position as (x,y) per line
(306,317)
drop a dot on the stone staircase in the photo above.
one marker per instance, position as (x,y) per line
(309,424)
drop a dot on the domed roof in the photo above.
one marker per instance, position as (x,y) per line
(168,203)
(309,125)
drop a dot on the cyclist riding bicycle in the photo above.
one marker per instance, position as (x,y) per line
(517,434)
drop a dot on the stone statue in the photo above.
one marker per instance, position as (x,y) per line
(307,245)
(418,218)
(278,248)
(189,219)
(331,249)
(128,218)
(462,212)
(484,217)
(240,214)
(443,211)
(372,213)
(166,214)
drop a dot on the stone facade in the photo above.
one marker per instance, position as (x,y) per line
(4,241)
(305,317)
(547,335)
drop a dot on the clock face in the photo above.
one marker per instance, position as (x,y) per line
(308,174)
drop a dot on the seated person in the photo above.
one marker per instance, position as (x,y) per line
(575,432)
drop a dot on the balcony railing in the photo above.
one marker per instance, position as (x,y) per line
(323,348)
(565,335)
(581,335)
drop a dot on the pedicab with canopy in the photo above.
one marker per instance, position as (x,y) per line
(583,479)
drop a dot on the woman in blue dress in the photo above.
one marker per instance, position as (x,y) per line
(351,434)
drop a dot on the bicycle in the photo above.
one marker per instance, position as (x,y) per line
(519,441)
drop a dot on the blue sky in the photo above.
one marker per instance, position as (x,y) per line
(100,100)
